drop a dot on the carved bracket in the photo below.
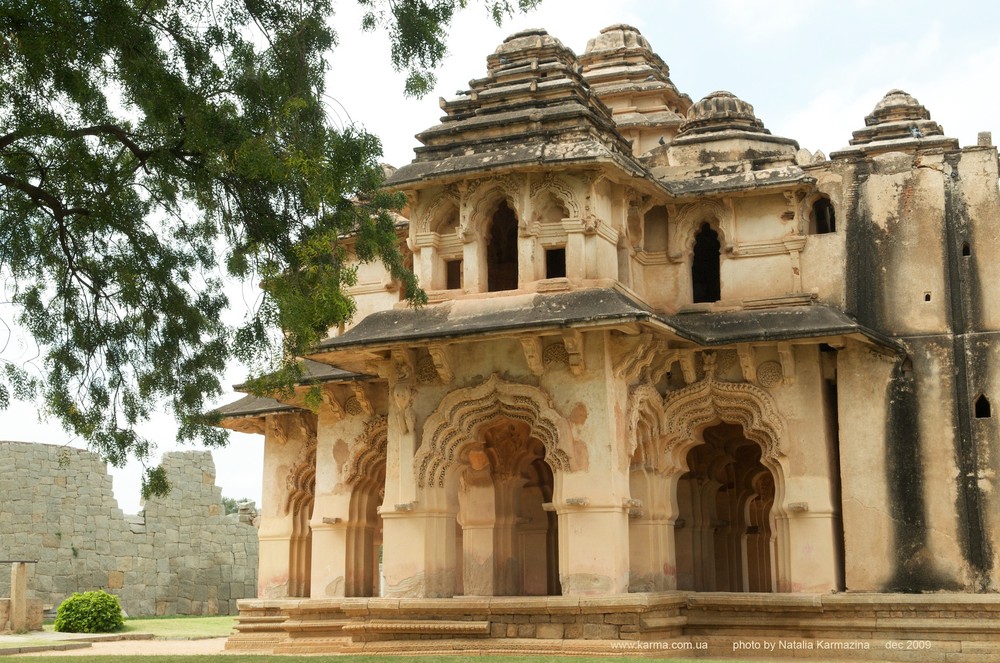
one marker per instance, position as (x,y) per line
(573,340)
(532,347)
(786,356)
(747,364)
(441,355)
(332,402)
(686,359)
(633,362)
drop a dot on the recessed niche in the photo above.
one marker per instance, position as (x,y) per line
(982,407)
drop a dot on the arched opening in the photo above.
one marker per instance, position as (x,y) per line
(501,250)
(724,534)
(982,407)
(821,218)
(508,538)
(705,281)
(300,506)
(364,537)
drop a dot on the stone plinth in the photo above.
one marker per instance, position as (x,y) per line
(937,627)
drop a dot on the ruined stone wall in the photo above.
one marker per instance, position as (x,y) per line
(181,556)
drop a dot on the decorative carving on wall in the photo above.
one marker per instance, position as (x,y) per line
(366,451)
(636,358)
(698,405)
(301,479)
(353,406)
(560,189)
(463,411)
(769,374)
(646,425)
(555,354)
(448,197)
(426,373)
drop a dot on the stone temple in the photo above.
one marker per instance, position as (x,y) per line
(679,381)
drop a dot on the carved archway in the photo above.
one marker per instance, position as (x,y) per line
(301,491)
(463,411)
(364,473)
(367,450)
(689,410)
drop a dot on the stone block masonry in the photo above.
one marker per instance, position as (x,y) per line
(182,555)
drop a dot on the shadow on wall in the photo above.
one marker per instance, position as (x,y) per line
(182,555)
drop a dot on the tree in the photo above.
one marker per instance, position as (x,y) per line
(137,137)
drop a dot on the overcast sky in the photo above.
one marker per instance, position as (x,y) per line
(811,69)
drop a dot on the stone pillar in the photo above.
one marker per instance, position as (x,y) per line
(419,554)
(652,564)
(330,565)
(593,549)
(505,542)
(478,512)
(576,250)
(425,261)
(18,597)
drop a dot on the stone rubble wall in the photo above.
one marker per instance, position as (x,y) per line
(182,555)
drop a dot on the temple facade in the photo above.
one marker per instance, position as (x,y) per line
(666,354)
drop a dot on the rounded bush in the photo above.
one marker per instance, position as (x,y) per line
(90,612)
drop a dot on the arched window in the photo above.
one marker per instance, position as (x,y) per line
(982,407)
(705,283)
(501,250)
(822,219)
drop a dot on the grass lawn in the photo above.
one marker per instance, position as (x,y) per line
(230,658)
(182,627)
(191,627)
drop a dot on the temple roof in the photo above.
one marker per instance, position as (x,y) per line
(462,318)
(255,406)
(619,63)
(898,121)
(533,107)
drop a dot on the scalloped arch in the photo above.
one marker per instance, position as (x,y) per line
(690,409)
(560,190)
(302,482)
(463,411)
(481,201)
(691,216)
(367,451)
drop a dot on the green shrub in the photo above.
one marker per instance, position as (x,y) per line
(90,612)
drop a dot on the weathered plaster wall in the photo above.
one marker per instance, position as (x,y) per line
(183,557)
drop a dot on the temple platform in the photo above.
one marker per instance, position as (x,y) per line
(952,628)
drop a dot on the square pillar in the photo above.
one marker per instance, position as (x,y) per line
(18,597)
(418,559)
(593,550)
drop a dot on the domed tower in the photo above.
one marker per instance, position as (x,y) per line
(625,73)
(719,136)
